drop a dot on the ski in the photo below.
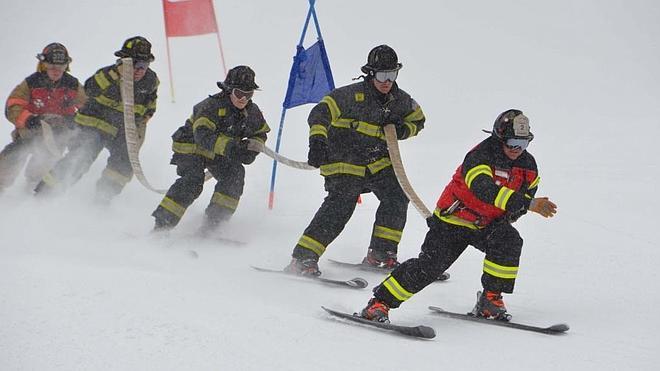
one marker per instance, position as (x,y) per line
(559,328)
(414,331)
(354,283)
(369,268)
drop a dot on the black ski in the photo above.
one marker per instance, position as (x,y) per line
(414,331)
(369,268)
(552,330)
(355,283)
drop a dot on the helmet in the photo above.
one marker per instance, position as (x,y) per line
(512,124)
(381,58)
(54,53)
(138,48)
(240,77)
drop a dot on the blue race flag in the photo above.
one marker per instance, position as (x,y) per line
(310,78)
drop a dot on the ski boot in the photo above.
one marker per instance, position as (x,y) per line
(303,267)
(490,305)
(376,310)
(381,259)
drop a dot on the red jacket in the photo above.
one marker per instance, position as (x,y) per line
(488,185)
(37,95)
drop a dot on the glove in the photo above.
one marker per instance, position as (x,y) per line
(543,207)
(401,129)
(34,122)
(318,153)
(245,155)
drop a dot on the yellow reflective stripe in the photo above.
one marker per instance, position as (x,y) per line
(184,148)
(173,207)
(115,176)
(93,122)
(454,220)
(500,271)
(311,244)
(535,183)
(224,201)
(203,121)
(415,115)
(379,165)
(101,80)
(343,168)
(332,106)
(361,127)
(503,197)
(388,233)
(49,179)
(221,144)
(114,75)
(152,105)
(108,102)
(393,286)
(263,129)
(476,171)
(203,152)
(138,109)
(412,128)
(318,129)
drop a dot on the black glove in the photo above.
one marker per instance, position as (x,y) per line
(34,122)
(401,129)
(318,153)
(245,155)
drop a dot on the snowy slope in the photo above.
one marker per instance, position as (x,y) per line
(88,288)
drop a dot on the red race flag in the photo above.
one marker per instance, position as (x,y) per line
(189,17)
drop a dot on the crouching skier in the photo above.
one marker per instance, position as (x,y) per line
(215,137)
(493,187)
(346,141)
(51,95)
(101,124)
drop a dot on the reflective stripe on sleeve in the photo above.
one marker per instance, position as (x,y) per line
(475,172)
(503,197)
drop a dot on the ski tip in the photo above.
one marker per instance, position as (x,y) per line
(359,282)
(560,327)
(426,332)
(437,309)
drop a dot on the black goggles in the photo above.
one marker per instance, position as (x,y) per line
(517,144)
(240,94)
(383,76)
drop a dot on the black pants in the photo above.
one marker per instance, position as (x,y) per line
(443,244)
(85,149)
(230,177)
(338,206)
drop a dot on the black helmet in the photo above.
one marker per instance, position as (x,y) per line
(512,124)
(240,77)
(54,53)
(381,58)
(138,48)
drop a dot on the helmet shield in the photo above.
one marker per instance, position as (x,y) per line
(54,53)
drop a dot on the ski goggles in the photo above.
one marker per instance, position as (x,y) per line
(240,94)
(141,65)
(517,144)
(383,76)
(58,67)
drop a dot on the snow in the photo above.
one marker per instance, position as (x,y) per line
(83,287)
